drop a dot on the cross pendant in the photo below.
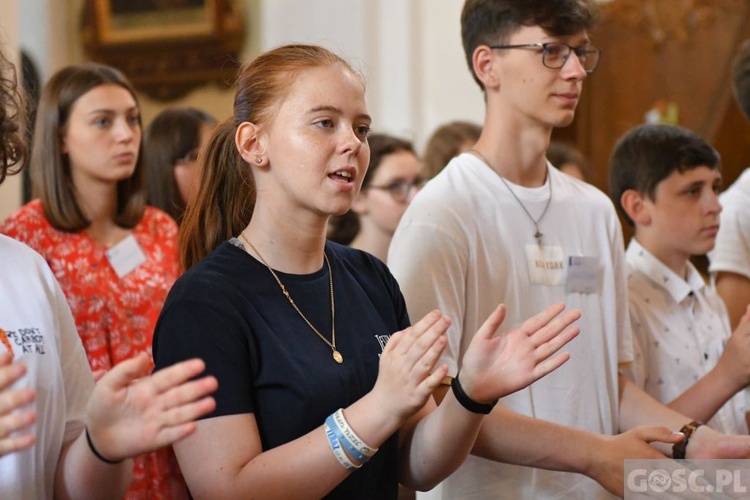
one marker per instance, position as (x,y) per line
(538,235)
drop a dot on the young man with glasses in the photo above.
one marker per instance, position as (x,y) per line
(498,224)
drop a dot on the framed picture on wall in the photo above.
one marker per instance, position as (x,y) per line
(123,21)
(166,47)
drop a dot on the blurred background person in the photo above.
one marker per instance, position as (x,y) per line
(566,158)
(114,257)
(394,176)
(447,141)
(170,157)
(730,258)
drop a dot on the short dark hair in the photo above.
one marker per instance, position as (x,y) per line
(489,22)
(51,175)
(648,154)
(741,77)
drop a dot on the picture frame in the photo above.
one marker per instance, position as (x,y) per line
(125,21)
(143,37)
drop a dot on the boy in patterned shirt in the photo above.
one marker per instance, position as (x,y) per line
(665,181)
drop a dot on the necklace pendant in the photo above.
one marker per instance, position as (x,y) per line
(337,357)
(538,235)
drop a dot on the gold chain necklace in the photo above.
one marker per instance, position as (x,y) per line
(332,344)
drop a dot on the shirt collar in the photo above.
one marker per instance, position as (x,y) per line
(655,270)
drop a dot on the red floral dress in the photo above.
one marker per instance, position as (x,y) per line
(115,316)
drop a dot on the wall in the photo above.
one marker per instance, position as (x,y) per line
(410,52)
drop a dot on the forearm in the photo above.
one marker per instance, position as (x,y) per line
(506,436)
(638,408)
(80,474)
(439,444)
(703,399)
(218,462)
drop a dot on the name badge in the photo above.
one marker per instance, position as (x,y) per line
(583,275)
(125,256)
(546,264)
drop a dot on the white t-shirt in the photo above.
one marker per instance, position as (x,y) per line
(36,323)
(732,250)
(680,328)
(465,244)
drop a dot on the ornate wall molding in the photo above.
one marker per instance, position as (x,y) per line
(667,20)
(165,52)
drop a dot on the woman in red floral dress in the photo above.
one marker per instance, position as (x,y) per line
(114,257)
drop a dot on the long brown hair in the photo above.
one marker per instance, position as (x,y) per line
(171,136)
(51,176)
(226,193)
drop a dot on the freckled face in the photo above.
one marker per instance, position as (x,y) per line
(102,135)
(317,142)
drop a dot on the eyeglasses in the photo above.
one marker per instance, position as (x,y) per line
(400,190)
(555,54)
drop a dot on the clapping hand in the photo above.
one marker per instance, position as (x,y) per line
(12,417)
(497,365)
(131,413)
(407,376)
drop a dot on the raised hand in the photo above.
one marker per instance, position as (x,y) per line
(131,413)
(407,375)
(497,365)
(12,417)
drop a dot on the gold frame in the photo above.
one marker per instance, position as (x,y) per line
(158,23)
(144,43)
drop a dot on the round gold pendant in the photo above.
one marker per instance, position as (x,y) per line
(337,357)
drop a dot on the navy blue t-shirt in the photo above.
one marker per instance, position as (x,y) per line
(229,311)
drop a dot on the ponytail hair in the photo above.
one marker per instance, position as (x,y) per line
(226,195)
(225,199)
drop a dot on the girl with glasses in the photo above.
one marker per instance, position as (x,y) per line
(392,180)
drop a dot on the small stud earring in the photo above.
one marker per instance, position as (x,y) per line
(259,160)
